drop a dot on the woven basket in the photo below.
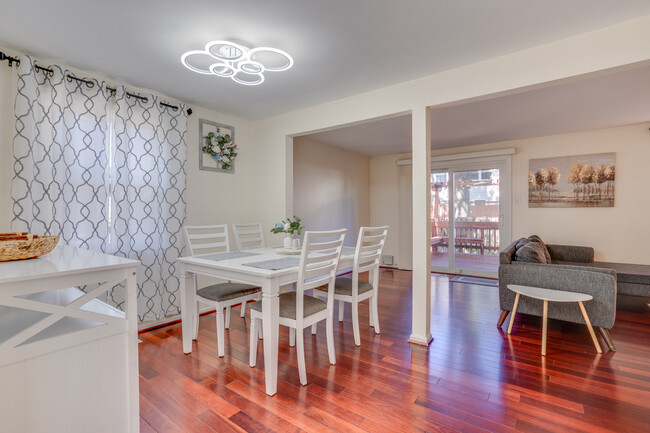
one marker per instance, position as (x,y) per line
(28,248)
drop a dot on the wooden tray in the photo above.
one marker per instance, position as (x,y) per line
(20,246)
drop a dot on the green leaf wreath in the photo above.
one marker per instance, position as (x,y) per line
(221,147)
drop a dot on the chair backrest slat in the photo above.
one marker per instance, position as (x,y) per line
(318,263)
(249,236)
(207,239)
(367,256)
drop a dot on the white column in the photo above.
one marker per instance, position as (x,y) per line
(421,145)
(132,353)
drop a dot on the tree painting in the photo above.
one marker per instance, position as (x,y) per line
(572,181)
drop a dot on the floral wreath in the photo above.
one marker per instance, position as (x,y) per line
(221,148)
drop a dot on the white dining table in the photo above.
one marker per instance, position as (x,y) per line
(238,268)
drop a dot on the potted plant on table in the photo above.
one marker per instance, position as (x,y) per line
(290,228)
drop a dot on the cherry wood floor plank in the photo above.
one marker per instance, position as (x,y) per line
(153,414)
(181,412)
(472,378)
(145,427)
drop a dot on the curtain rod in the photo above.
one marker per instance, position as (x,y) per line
(10,61)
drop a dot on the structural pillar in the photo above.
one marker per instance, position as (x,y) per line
(421,157)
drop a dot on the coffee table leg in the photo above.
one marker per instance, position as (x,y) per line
(514,311)
(591,330)
(544,325)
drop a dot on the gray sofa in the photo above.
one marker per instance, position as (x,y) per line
(572,268)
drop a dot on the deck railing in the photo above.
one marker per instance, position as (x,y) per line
(473,237)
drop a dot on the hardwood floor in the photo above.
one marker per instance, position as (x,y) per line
(472,378)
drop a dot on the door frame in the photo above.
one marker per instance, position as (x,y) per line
(480,161)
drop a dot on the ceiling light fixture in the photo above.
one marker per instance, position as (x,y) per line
(245,66)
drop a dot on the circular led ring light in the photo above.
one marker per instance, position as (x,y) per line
(229,70)
(238,49)
(193,68)
(289,64)
(249,83)
(251,67)
(235,59)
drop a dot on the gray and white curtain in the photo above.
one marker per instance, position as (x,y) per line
(105,171)
(148,199)
(58,186)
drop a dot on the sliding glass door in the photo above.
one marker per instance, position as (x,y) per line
(470,214)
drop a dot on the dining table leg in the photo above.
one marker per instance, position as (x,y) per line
(188,307)
(271,325)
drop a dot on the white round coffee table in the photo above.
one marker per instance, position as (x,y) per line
(547,295)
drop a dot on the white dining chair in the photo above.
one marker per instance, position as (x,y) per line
(367,255)
(318,262)
(214,239)
(248,236)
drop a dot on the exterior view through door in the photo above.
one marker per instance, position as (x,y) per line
(471,205)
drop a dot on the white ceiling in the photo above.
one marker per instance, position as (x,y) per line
(340,47)
(598,101)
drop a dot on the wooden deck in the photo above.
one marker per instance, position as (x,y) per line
(488,263)
(472,378)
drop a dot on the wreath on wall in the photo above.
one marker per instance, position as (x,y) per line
(221,148)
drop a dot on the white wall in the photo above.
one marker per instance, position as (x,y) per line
(384,202)
(618,234)
(611,47)
(331,187)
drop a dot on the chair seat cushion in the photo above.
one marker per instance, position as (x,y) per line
(343,286)
(311,305)
(225,291)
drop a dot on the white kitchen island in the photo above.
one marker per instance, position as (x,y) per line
(68,361)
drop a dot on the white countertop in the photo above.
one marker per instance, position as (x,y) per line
(62,259)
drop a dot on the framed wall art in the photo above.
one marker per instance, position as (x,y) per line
(572,181)
(217,148)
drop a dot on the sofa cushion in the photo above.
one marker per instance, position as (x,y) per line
(532,252)
(626,272)
(631,279)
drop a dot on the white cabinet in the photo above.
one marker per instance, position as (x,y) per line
(68,361)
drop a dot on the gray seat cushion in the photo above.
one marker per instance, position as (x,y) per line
(311,305)
(343,286)
(627,272)
(225,291)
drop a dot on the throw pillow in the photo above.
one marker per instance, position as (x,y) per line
(535,238)
(521,242)
(532,252)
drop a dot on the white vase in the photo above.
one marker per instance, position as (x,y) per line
(287,241)
(295,243)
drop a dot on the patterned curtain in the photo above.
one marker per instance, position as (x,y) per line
(60,160)
(148,208)
(106,172)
